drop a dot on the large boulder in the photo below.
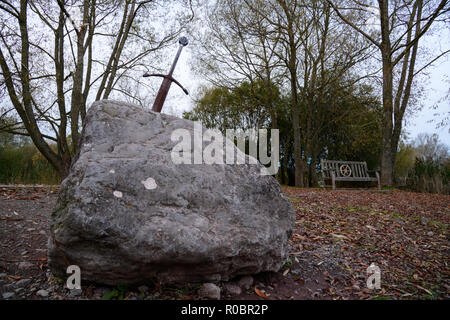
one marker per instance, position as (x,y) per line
(128,214)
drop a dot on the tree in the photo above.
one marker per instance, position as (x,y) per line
(401,25)
(286,17)
(328,56)
(352,132)
(236,49)
(298,45)
(52,62)
(9,139)
(236,108)
(428,148)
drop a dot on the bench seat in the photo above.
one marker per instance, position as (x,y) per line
(337,170)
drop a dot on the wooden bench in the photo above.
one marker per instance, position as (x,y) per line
(347,171)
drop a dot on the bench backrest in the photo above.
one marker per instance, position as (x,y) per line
(357,169)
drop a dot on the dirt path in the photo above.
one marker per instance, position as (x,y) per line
(337,236)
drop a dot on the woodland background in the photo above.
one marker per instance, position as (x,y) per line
(337,78)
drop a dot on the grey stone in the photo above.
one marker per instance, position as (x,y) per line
(245,282)
(9,286)
(143,288)
(75,293)
(22,282)
(42,293)
(209,291)
(127,214)
(3,275)
(25,265)
(8,295)
(232,289)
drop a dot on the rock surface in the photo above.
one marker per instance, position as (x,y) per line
(245,282)
(127,214)
(8,295)
(209,291)
(232,289)
(42,293)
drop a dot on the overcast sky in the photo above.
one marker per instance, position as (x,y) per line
(437,88)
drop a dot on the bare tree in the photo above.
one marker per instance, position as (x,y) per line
(316,53)
(49,89)
(400,26)
(237,48)
(429,148)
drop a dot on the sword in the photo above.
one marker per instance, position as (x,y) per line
(168,79)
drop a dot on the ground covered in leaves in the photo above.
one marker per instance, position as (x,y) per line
(337,235)
(405,234)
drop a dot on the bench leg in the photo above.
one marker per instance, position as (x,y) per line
(378,180)
(333,182)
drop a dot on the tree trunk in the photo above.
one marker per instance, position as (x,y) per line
(297,148)
(386,152)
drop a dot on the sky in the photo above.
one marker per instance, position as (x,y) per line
(437,87)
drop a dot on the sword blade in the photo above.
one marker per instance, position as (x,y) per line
(162,94)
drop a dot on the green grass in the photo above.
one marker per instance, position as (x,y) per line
(117,293)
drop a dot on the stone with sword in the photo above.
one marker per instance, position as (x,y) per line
(168,79)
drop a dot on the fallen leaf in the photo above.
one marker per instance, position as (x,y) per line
(259,293)
(40,259)
(339,236)
(426,290)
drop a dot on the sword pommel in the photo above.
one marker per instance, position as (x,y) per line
(183,41)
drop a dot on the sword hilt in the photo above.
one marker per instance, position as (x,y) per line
(168,79)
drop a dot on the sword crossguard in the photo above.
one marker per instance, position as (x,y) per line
(168,79)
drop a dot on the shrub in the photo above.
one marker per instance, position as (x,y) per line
(24,164)
(429,176)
